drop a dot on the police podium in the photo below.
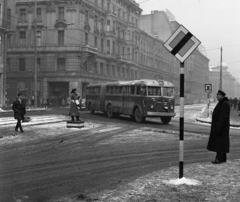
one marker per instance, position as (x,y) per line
(75,124)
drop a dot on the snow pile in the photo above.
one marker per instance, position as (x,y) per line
(1,110)
(182,181)
(205,113)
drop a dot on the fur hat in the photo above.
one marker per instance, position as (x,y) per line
(73,90)
(221,93)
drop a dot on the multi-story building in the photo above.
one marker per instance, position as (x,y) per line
(228,81)
(161,24)
(82,42)
(5,23)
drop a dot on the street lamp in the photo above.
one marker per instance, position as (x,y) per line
(220,82)
(35,57)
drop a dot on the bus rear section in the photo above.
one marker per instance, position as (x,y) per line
(94,97)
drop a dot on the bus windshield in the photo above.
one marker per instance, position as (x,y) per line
(154,91)
(168,92)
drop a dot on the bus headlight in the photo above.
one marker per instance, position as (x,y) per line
(151,106)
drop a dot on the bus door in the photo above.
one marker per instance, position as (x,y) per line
(102,97)
(125,102)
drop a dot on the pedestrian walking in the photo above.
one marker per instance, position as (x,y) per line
(219,136)
(74,104)
(19,110)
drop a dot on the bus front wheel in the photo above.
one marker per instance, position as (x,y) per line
(110,111)
(165,120)
(139,116)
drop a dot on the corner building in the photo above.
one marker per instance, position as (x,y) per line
(81,42)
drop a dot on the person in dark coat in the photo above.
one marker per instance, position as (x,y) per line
(219,136)
(74,105)
(19,110)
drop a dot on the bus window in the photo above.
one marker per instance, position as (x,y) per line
(97,91)
(108,90)
(138,90)
(154,91)
(120,89)
(116,89)
(132,90)
(143,90)
(111,89)
(126,90)
(169,92)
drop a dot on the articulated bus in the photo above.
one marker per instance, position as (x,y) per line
(138,99)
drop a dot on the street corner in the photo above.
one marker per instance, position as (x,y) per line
(202,182)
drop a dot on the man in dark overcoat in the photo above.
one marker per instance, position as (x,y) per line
(219,136)
(74,105)
(239,107)
(19,110)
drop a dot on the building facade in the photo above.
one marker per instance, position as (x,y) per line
(161,24)
(80,42)
(229,83)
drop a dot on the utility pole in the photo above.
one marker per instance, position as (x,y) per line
(220,82)
(35,57)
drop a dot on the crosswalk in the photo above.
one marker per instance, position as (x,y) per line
(35,120)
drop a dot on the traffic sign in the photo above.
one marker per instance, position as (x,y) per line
(182,43)
(208,88)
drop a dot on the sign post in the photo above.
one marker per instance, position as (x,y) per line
(208,90)
(181,44)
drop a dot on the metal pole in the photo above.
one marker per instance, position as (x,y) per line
(220,83)
(35,57)
(181,121)
(4,68)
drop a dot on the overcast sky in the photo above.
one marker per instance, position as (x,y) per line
(214,22)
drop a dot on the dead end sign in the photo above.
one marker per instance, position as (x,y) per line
(182,43)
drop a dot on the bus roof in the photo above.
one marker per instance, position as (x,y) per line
(142,82)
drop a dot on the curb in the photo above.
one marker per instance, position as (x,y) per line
(209,122)
(28,110)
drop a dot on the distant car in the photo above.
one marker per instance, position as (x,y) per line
(83,104)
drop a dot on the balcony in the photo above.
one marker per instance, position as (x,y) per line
(46,48)
(90,50)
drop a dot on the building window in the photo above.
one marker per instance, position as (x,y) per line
(60,37)
(21,64)
(108,6)
(86,16)
(113,71)
(102,4)
(95,41)
(9,18)
(39,38)
(86,38)
(102,24)
(108,46)
(133,52)
(1,45)
(61,64)
(39,64)
(102,47)
(113,48)
(95,68)
(23,15)
(8,64)
(101,68)
(108,25)
(95,21)
(107,70)
(39,14)
(113,26)
(61,13)
(22,38)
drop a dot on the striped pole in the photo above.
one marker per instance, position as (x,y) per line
(181,121)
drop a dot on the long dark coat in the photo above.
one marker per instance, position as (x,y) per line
(19,109)
(239,104)
(74,111)
(219,135)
